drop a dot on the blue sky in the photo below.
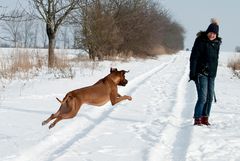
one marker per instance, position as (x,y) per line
(195,15)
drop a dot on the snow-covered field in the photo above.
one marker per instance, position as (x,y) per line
(155,126)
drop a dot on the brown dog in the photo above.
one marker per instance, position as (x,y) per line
(98,94)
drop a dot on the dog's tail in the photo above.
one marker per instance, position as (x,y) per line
(59,100)
(68,96)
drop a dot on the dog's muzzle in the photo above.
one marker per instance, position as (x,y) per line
(123,82)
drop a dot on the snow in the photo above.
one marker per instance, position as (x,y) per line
(156,125)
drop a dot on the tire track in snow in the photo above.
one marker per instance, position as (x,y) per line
(176,135)
(56,143)
(136,82)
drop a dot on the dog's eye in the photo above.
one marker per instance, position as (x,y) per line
(113,70)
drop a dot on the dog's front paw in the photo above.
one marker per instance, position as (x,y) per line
(51,126)
(129,98)
(44,123)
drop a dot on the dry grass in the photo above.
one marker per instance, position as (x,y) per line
(19,65)
(24,65)
(234,64)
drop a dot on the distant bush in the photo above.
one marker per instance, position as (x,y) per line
(234,64)
(128,28)
(237,49)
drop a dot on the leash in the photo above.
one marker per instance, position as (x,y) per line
(214,96)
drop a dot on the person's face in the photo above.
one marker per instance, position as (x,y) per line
(211,36)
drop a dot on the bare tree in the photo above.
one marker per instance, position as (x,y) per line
(64,36)
(95,30)
(77,38)
(81,31)
(53,13)
(35,35)
(12,27)
(43,35)
(28,33)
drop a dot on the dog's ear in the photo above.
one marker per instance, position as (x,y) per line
(113,70)
(125,71)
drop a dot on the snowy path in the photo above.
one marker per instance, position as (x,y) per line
(139,131)
(155,126)
(162,100)
(176,135)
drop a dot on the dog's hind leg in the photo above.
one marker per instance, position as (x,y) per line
(53,116)
(55,121)
(63,109)
(75,108)
(61,117)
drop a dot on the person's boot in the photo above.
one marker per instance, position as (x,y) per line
(197,121)
(204,121)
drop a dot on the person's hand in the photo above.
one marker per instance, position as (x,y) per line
(192,77)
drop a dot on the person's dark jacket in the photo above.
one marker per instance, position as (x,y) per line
(204,56)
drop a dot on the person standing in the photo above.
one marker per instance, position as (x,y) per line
(203,70)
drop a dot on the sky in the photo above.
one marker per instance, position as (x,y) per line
(195,15)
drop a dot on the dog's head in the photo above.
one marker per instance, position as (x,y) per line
(119,76)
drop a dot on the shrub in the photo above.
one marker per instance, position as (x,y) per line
(234,64)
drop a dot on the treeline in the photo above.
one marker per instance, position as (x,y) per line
(127,27)
(103,28)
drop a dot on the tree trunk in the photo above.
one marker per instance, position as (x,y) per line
(92,54)
(51,46)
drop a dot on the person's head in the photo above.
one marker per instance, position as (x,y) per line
(213,29)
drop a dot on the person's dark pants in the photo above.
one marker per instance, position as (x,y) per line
(205,91)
